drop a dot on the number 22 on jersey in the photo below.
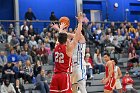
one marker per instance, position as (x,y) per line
(59,57)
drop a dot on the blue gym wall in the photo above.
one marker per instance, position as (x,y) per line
(118,14)
(43,8)
(6,10)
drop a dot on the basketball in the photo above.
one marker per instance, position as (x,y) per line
(65,20)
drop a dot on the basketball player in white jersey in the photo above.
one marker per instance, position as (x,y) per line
(79,66)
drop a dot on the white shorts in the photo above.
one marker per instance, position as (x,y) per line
(78,74)
(118,84)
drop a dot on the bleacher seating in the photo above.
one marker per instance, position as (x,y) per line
(47,67)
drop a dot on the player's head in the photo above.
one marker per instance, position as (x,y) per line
(83,32)
(62,38)
(127,73)
(114,60)
(106,57)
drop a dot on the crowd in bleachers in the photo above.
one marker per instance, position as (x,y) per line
(114,38)
(24,55)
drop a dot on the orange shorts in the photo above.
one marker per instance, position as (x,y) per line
(110,84)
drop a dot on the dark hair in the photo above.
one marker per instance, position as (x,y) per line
(83,31)
(126,72)
(115,60)
(62,38)
(49,72)
(96,50)
(107,54)
(52,12)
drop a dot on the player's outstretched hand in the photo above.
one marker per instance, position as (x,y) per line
(104,80)
(80,17)
(62,27)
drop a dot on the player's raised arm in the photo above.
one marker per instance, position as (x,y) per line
(71,45)
(61,30)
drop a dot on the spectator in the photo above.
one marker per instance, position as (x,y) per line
(89,68)
(14,42)
(71,30)
(33,53)
(132,31)
(42,82)
(113,28)
(107,41)
(26,36)
(85,19)
(19,88)
(93,27)
(131,48)
(7,87)
(38,37)
(43,33)
(87,50)
(11,29)
(89,58)
(26,49)
(127,42)
(28,71)
(29,15)
(118,75)
(49,76)
(31,31)
(137,47)
(115,41)
(22,41)
(127,83)
(37,68)
(32,42)
(1,28)
(8,72)
(12,57)
(7,48)
(3,60)
(19,73)
(50,40)
(119,36)
(128,25)
(24,28)
(3,37)
(98,61)
(53,17)
(42,54)
(133,57)
(23,57)
(111,37)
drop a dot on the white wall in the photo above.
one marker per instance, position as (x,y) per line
(95,15)
(79,5)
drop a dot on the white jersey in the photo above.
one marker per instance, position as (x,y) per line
(79,54)
(79,67)
(118,82)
